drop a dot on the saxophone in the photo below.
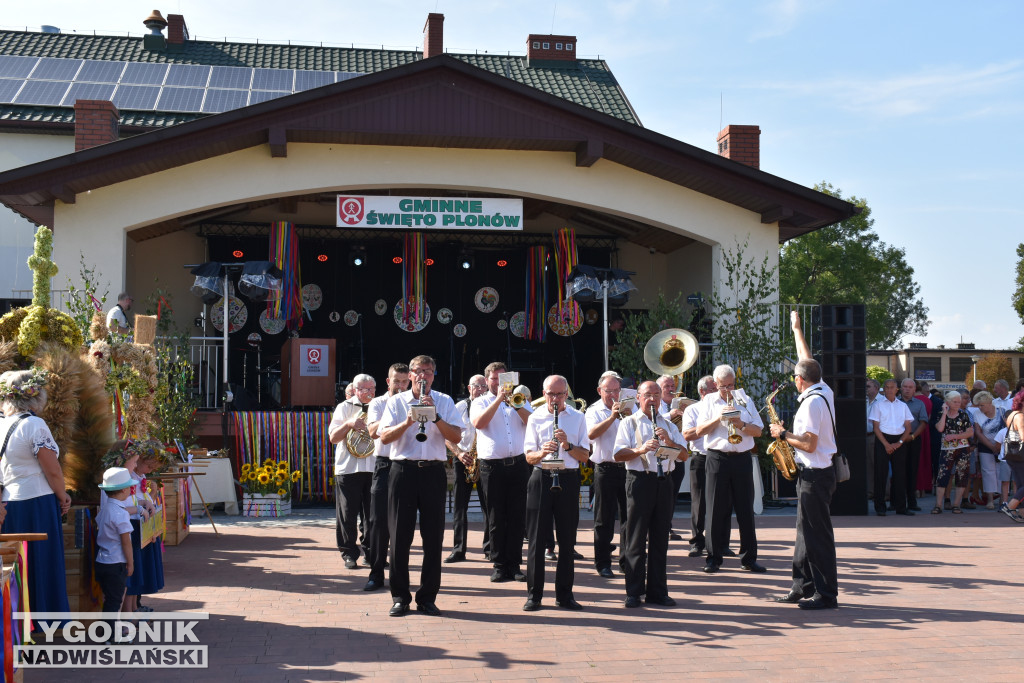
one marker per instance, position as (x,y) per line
(473,471)
(780,450)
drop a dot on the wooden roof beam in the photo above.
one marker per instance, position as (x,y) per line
(589,151)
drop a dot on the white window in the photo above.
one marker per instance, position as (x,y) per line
(536,45)
(558,46)
(547,46)
(568,46)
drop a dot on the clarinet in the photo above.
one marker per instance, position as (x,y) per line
(555,484)
(654,426)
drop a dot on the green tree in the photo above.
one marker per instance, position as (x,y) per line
(991,367)
(878,373)
(848,263)
(1018,293)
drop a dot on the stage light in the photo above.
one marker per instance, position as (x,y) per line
(260,281)
(322,258)
(429,261)
(502,263)
(358,256)
(238,253)
(465,259)
(396,260)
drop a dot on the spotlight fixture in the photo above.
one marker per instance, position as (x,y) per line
(358,256)
(396,260)
(465,259)
(238,253)
(322,258)
(429,261)
(502,263)
(260,281)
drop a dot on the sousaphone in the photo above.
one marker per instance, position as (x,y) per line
(672,352)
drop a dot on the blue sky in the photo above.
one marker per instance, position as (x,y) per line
(915,106)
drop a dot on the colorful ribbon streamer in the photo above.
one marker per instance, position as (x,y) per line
(565,260)
(284,252)
(414,277)
(299,438)
(536,294)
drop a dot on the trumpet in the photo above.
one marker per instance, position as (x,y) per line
(627,411)
(727,417)
(421,435)
(517,400)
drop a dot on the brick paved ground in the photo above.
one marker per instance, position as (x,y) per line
(921,597)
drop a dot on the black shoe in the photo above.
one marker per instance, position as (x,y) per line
(568,603)
(632,601)
(915,507)
(428,608)
(755,567)
(728,552)
(455,557)
(880,513)
(550,556)
(518,576)
(350,563)
(498,576)
(622,560)
(673,536)
(818,603)
(792,597)
(612,548)
(664,601)
(695,551)
(531,605)
(606,572)
(906,512)
(710,568)
(373,585)
(577,555)
(399,609)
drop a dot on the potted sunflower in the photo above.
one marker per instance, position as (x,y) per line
(267,488)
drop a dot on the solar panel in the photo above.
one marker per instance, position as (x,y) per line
(88,91)
(16,67)
(273,79)
(53,69)
(181,99)
(8,89)
(42,92)
(218,100)
(231,77)
(257,96)
(188,75)
(136,97)
(100,72)
(144,74)
(346,75)
(305,80)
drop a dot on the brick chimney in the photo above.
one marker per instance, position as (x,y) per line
(433,35)
(742,144)
(549,48)
(96,123)
(177,31)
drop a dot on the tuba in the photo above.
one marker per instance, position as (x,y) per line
(672,352)
(358,441)
(780,450)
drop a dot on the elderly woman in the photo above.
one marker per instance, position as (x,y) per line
(955,427)
(34,486)
(1015,423)
(987,424)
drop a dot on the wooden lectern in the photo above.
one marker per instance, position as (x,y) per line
(307,372)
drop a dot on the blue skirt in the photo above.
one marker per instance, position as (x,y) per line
(152,568)
(47,586)
(138,577)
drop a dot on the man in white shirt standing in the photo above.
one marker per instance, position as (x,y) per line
(873,391)
(609,490)
(815,582)
(1003,399)
(891,420)
(117,317)
(698,478)
(464,457)
(544,503)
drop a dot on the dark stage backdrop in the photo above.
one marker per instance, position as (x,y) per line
(376,341)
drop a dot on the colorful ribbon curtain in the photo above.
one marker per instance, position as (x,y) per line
(565,260)
(284,252)
(298,438)
(536,294)
(414,277)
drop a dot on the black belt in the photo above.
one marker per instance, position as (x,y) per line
(610,465)
(507,462)
(636,473)
(419,463)
(717,452)
(382,462)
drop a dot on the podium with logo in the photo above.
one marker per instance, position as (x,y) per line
(307,372)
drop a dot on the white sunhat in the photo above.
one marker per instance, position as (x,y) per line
(115,479)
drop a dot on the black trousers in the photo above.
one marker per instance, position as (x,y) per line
(460,514)
(913,464)
(351,512)
(413,489)
(730,486)
(113,579)
(377,534)
(544,506)
(609,499)
(814,555)
(504,485)
(698,500)
(649,507)
(898,487)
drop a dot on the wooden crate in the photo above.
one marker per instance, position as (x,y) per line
(175,512)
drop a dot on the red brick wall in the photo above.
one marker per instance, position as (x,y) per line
(433,35)
(96,123)
(742,144)
(177,31)
(551,52)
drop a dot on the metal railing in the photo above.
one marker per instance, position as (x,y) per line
(206,355)
(58,297)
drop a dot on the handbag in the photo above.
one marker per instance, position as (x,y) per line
(839,462)
(1014,445)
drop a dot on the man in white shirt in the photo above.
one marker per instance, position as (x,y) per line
(729,472)
(561,430)
(698,478)
(609,490)
(465,455)
(352,475)
(418,484)
(873,391)
(377,527)
(815,583)
(891,420)
(117,317)
(500,430)
(1003,399)
(648,497)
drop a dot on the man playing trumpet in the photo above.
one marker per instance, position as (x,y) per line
(609,489)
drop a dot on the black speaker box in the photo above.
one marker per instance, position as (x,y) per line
(851,497)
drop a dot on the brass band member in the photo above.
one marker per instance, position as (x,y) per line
(463,488)
(668,389)
(352,476)
(545,503)
(377,529)
(698,478)
(609,488)
(729,471)
(418,484)
(648,498)
(814,444)
(500,430)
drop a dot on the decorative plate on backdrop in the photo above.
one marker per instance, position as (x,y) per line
(459,330)
(334,316)
(351,318)
(271,325)
(444,316)
(564,327)
(237,313)
(591,316)
(518,324)
(254,338)
(412,325)
(312,297)
(486,299)
(381,307)
(502,324)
